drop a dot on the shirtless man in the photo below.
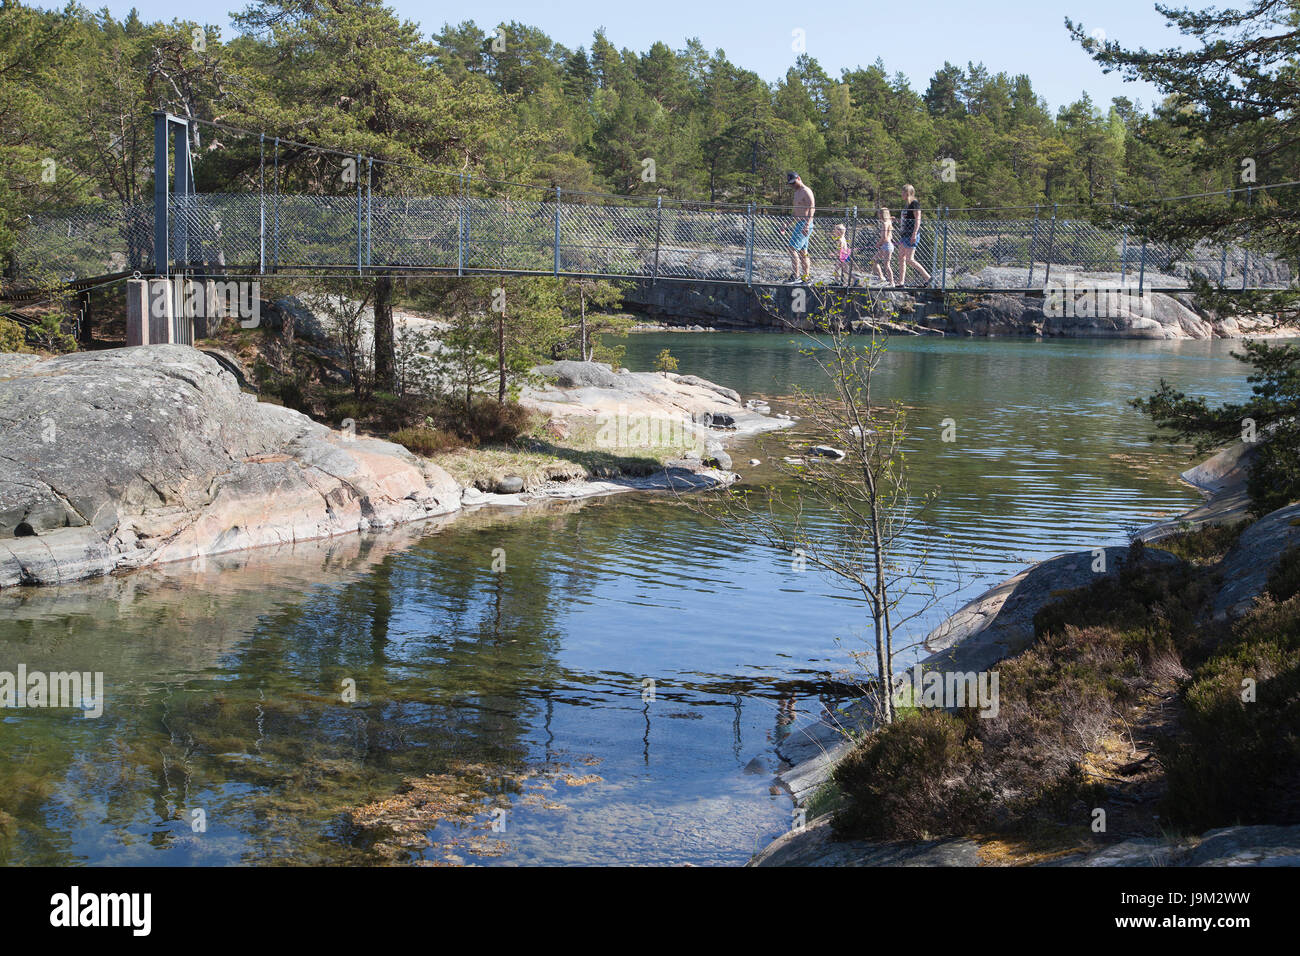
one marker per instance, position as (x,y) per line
(805,204)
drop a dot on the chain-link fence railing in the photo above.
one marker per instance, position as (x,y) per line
(548,232)
(82,243)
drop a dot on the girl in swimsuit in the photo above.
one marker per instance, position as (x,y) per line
(842,252)
(886,247)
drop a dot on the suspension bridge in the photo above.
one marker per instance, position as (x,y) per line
(463,229)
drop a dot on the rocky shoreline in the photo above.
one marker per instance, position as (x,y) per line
(960,311)
(117,460)
(999,624)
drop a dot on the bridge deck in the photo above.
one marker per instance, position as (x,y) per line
(633,239)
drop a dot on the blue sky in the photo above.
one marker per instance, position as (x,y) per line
(914,38)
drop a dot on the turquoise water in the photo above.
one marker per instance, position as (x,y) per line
(525,692)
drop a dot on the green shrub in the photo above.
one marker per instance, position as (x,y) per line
(1206,544)
(664,362)
(1238,760)
(491,423)
(933,773)
(348,408)
(1284,581)
(424,440)
(1153,606)
(12,338)
(49,334)
(911,779)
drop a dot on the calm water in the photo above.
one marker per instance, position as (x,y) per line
(523,692)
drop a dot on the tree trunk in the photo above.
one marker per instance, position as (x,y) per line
(385,351)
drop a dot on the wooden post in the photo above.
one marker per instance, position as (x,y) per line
(181,327)
(137,312)
(159,312)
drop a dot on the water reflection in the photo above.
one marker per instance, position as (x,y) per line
(227,683)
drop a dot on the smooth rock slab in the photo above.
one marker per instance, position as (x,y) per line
(1246,568)
(1000,622)
(814,845)
(119,459)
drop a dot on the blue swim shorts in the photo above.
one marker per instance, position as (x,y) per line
(907,243)
(799,236)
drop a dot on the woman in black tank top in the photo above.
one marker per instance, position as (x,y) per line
(909,236)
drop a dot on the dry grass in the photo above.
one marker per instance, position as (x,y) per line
(571,450)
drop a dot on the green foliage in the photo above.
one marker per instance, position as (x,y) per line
(79,86)
(1238,758)
(1284,580)
(1152,606)
(587,301)
(424,440)
(12,338)
(1228,116)
(664,362)
(908,780)
(1205,545)
(1096,647)
(1269,416)
(50,334)
(493,423)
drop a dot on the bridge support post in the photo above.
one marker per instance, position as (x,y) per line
(659,225)
(360,239)
(852,215)
(275,241)
(1245,265)
(943,272)
(460,229)
(137,312)
(749,245)
(150,310)
(161,238)
(261,203)
(1033,244)
(1051,245)
(181,327)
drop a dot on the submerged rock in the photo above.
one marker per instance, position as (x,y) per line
(826,451)
(510,485)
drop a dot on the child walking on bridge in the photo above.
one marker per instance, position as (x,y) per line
(885,248)
(843,255)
